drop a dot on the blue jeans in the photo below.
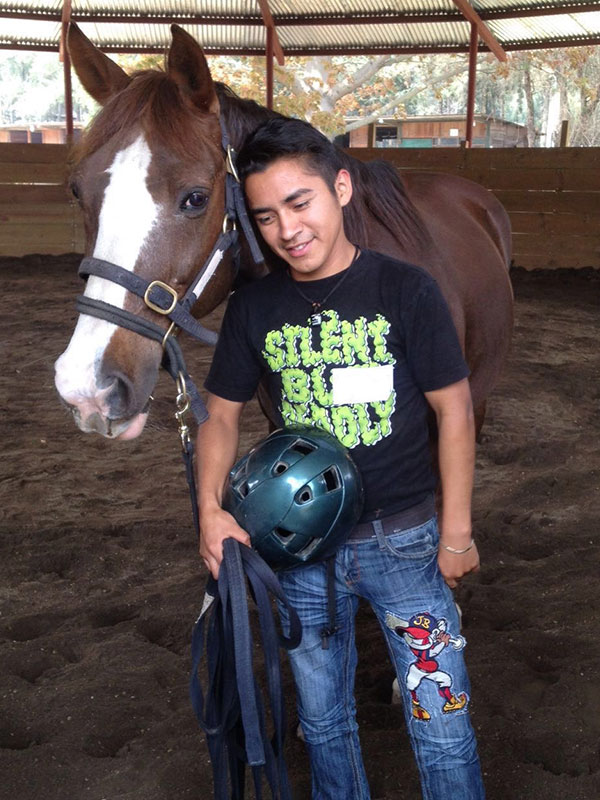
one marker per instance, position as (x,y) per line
(397,573)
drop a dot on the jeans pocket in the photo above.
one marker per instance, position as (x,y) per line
(416,543)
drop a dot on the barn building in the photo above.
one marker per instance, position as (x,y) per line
(446,130)
(45,133)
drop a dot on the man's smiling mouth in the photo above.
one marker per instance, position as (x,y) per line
(298,249)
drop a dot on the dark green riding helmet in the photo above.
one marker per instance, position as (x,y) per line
(297,493)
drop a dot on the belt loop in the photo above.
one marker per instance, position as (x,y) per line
(378,528)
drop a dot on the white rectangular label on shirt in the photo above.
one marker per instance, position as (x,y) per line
(362,384)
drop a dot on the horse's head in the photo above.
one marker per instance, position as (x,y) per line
(149,176)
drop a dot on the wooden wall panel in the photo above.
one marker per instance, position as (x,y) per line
(552,195)
(32,173)
(540,222)
(459,158)
(40,194)
(37,212)
(33,153)
(55,234)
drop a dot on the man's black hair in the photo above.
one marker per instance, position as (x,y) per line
(282,137)
(378,197)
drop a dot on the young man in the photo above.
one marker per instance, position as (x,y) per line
(361,345)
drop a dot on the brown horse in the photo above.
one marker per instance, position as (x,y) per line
(149,176)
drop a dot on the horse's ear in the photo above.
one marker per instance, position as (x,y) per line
(187,66)
(100,76)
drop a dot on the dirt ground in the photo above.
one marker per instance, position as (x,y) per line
(100,582)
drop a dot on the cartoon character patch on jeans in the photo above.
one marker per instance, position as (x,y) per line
(427,637)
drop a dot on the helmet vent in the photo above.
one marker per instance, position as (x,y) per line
(279,468)
(283,535)
(304,495)
(307,551)
(302,447)
(332,479)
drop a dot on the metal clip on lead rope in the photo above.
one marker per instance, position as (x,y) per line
(182,401)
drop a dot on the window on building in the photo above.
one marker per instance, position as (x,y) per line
(386,136)
(18,137)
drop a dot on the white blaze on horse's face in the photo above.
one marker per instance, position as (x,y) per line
(127,216)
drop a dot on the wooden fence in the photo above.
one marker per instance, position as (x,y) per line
(552,196)
(37,213)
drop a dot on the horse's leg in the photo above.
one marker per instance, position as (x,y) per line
(479,413)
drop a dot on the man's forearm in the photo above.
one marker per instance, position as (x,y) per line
(217,444)
(217,448)
(456,452)
(457,554)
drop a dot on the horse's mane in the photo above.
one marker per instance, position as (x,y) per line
(153,102)
(379,192)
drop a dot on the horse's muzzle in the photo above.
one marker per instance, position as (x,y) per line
(123,429)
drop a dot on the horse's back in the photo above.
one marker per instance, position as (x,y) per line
(450,200)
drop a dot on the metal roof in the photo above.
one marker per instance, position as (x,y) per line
(304,27)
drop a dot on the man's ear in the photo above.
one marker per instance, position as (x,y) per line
(343,187)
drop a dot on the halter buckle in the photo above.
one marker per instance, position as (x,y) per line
(164,311)
(230,163)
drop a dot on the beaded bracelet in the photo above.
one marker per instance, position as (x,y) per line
(455,551)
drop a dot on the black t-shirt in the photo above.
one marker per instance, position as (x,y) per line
(385,337)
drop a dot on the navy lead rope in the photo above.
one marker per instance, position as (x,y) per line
(232,709)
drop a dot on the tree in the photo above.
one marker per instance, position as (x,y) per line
(541,88)
(328,90)
(337,94)
(33,90)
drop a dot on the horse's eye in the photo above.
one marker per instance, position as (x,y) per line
(74,191)
(194,202)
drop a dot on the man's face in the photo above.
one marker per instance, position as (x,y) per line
(300,218)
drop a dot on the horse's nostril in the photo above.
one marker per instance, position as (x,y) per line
(120,397)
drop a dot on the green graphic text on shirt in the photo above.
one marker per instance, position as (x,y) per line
(304,357)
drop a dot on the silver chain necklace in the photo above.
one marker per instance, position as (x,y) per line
(316,317)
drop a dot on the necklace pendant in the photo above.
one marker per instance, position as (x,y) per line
(316,317)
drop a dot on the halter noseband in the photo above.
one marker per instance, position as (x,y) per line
(164,300)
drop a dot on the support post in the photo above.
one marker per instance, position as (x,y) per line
(473,47)
(64,56)
(269,54)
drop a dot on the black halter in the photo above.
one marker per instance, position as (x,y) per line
(163,299)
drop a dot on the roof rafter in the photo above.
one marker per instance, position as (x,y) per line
(135,26)
(269,23)
(473,17)
(528,44)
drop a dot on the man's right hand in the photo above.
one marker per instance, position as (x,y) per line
(215,526)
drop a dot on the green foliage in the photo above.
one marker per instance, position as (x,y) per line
(33,90)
